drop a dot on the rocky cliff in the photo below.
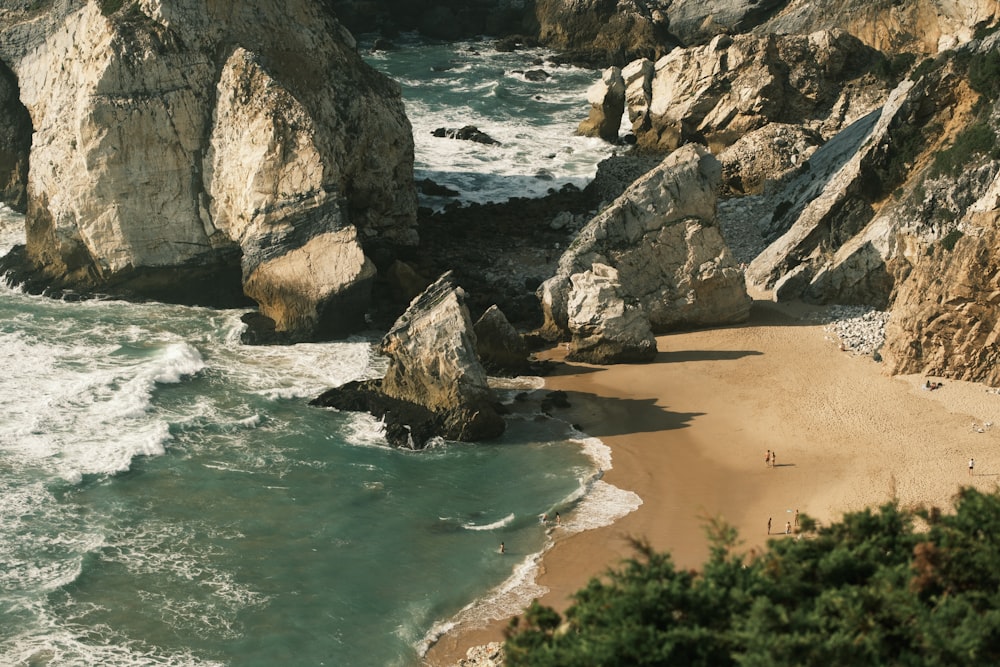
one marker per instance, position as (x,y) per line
(200,152)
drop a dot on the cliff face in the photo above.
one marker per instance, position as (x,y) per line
(174,138)
(915,26)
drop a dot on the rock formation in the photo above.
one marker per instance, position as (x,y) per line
(434,384)
(890,26)
(15,143)
(946,320)
(603,33)
(607,104)
(716,93)
(604,328)
(500,347)
(850,224)
(661,237)
(192,143)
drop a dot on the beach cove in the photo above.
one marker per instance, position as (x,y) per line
(689,433)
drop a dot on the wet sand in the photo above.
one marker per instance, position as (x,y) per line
(689,432)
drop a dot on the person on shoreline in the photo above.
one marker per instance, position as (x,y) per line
(767,458)
(795,520)
(768,525)
(774,459)
(972,465)
(502,549)
(788,527)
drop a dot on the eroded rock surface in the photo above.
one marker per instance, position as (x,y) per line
(434,384)
(178,142)
(661,237)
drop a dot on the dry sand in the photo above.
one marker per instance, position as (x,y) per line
(689,432)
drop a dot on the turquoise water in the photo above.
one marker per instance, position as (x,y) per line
(168,497)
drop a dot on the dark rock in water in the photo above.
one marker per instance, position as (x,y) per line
(382,44)
(467,133)
(261,331)
(500,346)
(406,424)
(536,75)
(432,189)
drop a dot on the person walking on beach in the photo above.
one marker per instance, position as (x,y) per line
(774,459)
(795,520)
(768,525)
(767,458)
(788,527)
(972,465)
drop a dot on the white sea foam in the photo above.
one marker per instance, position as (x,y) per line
(508,599)
(506,521)
(534,121)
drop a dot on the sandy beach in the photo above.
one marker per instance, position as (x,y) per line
(689,432)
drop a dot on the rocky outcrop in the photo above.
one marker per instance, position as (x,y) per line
(716,93)
(696,22)
(926,26)
(765,156)
(15,143)
(242,145)
(434,384)
(661,237)
(607,104)
(946,320)
(500,347)
(853,220)
(603,33)
(604,328)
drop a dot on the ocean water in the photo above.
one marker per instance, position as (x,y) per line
(471,83)
(168,497)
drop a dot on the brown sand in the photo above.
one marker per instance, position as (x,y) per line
(689,432)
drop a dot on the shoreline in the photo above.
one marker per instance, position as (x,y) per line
(688,434)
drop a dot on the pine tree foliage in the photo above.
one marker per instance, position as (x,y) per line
(872,589)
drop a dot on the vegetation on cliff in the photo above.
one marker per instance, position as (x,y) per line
(892,586)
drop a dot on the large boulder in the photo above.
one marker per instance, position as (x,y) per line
(603,32)
(604,328)
(718,92)
(661,237)
(434,384)
(607,104)
(247,147)
(500,347)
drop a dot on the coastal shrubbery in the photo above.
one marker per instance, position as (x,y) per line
(872,589)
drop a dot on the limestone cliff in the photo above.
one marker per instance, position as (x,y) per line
(891,26)
(175,138)
(716,93)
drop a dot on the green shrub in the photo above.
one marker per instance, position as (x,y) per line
(984,74)
(950,239)
(923,68)
(868,590)
(977,139)
(109,7)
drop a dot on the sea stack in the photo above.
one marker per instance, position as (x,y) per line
(209,153)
